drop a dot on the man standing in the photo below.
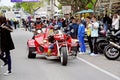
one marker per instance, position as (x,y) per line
(81,35)
(73,29)
(107,22)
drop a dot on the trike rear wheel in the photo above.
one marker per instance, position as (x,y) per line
(31,54)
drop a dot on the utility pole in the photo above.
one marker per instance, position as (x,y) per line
(52,8)
(110,5)
(99,4)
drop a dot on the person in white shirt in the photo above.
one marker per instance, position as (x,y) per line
(94,34)
(115,22)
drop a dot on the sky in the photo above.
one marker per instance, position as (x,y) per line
(9,3)
(6,3)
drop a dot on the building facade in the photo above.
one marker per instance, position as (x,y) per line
(108,6)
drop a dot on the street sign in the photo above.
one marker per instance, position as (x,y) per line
(24,0)
(66,9)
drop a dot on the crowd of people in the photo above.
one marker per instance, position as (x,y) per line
(91,26)
(77,28)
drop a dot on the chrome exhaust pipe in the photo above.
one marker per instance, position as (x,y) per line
(114,44)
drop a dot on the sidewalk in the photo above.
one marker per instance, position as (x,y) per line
(101,61)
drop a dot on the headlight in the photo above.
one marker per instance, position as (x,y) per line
(38,31)
(44,41)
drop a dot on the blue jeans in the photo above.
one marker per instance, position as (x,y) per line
(8,58)
(105,26)
(94,45)
(51,46)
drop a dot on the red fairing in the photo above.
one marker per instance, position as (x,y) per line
(31,43)
(39,38)
(60,37)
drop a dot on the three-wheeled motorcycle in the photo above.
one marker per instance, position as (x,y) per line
(64,45)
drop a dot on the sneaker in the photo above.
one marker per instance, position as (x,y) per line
(92,54)
(81,53)
(7,73)
(84,52)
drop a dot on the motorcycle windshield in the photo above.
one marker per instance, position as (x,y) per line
(58,32)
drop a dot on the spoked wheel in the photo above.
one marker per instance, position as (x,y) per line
(111,52)
(63,56)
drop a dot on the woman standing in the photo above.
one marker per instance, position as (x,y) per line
(81,34)
(115,22)
(6,42)
(94,34)
(88,27)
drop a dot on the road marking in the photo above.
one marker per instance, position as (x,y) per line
(100,69)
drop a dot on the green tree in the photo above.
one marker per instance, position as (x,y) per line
(4,8)
(29,6)
(60,6)
(78,5)
(94,4)
(17,5)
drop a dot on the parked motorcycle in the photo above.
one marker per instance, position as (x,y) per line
(112,50)
(101,43)
(102,40)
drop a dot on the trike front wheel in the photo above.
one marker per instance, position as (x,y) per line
(63,56)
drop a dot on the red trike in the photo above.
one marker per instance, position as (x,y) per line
(64,46)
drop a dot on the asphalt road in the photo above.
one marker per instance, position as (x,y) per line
(84,67)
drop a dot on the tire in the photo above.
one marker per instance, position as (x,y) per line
(101,45)
(30,54)
(111,52)
(63,56)
(75,51)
